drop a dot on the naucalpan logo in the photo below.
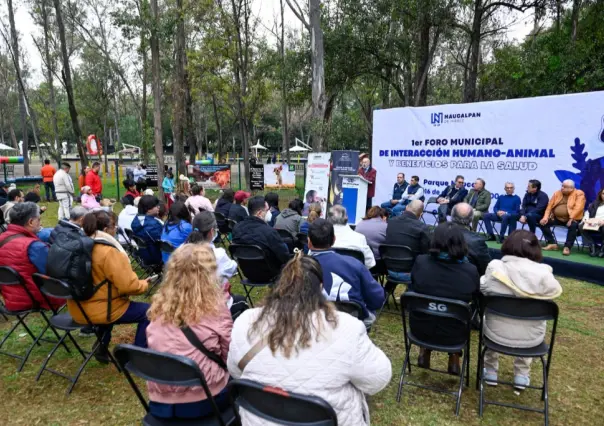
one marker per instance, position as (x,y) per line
(438,118)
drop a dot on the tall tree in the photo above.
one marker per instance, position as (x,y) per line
(179,90)
(68,82)
(17,64)
(156,72)
(284,126)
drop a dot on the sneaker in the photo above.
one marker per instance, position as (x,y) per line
(101,355)
(490,377)
(86,332)
(521,382)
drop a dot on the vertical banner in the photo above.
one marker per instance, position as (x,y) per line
(257,178)
(316,187)
(344,163)
(211,176)
(279,176)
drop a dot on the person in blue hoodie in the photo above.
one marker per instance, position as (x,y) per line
(177,227)
(506,211)
(344,278)
(147,226)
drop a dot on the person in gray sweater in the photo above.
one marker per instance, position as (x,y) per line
(290,218)
(373,227)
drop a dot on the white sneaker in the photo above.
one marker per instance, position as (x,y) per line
(490,377)
(521,382)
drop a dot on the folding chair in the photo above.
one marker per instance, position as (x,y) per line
(254,268)
(147,270)
(520,309)
(397,259)
(349,307)
(279,406)
(358,255)
(173,370)
(223,228)
(433,212)
(51,287)
(167,247)
(287,238)
(9,277)
(438,308)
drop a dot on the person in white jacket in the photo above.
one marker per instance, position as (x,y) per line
(519,273)
(300,343)
(126,216)
(64,190)
(346,238)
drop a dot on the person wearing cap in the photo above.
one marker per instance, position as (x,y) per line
(88,199)
(148,227)
(238,212)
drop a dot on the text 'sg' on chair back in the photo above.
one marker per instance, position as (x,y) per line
(439,308)
(280,406)
(352,253)
(351,308)
(166,247)
(397,258)
(161,368)
(253,263)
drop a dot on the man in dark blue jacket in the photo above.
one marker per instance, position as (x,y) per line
(148,227)
(533,205)
(344,278)
(253,230)
(452,195)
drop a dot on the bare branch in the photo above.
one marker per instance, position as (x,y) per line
(298,12)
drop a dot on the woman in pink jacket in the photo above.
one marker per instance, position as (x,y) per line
(190,301)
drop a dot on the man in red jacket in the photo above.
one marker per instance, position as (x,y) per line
(23,251)
(369,173)
(94,181)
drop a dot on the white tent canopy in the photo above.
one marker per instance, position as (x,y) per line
(258,146)
(297,149)
(4,147)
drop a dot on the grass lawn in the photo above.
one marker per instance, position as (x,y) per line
(102,396)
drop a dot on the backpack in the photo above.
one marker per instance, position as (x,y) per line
(70,260)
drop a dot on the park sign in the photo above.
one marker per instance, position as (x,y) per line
(257,177)
(550,138)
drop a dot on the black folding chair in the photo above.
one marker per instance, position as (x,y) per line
(11,278)
(349,307)
(279,406)
(433,212)
(526,310)
(224,228)
(438,308)
(254,268)
(173,370)
(146,269)
(51,287)
(358,255)
(397,259)
(167,247)
(287,238)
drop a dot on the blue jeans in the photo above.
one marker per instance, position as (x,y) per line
(532,219)
(508,219)
(189,410)
(49,189)
(135,314)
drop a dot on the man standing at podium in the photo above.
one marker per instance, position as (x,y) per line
(369,174)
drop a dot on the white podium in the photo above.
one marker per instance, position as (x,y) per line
(354,197)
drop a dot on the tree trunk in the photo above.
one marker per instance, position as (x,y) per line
(22,108)
(50,79)
(73,113)
(575,20)
(218,126)
(469,93)
(191,138)
(284,127)
(13,137)
(179,92)
(145,123)
(422,55)
(156,71)
(318,73)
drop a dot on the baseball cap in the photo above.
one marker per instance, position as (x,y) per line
(241,196)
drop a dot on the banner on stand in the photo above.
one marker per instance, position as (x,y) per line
(279,176)
(215,176)
(257,177)
(316,187)
(344,163)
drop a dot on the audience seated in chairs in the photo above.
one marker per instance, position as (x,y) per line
(272,199)
(111,268)
(506,210)
(75,222)
(177,227)
(198,201)
(131,191)
(148,227)
(478,251)
(595,216)
(89,200)
(127,215)
(290,218)
(408,230)
(238,212)
(205,230)
(344,278)
(346,238)
(519,273)
(223,205)
(189,318)
(444,272)
(565,208)
(14,197)
(298,330)
(480,200)
(23,251)
(373,227)
(253,230)
(314,213)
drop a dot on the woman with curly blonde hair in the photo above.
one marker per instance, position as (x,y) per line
(189,318)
